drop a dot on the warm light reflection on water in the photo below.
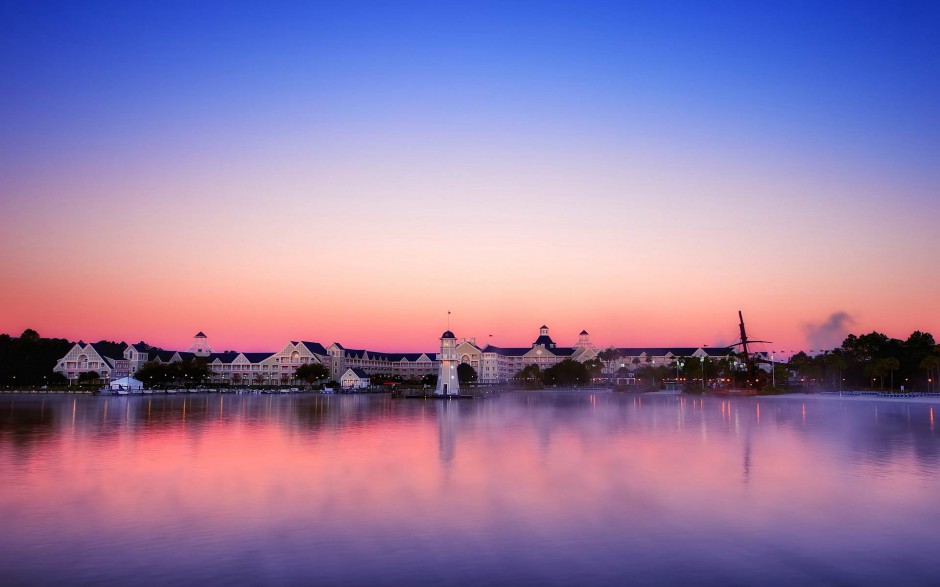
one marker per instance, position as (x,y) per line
(525,488)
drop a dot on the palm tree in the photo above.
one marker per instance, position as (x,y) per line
(892,365)
(609,355)
(929,363)
(836,365)
(877,369)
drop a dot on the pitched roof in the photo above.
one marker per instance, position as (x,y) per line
(257,357)
(200,334)
(358,372)
(164,356)
(107,353)
(544,340)
(718,351)
(507,351)
(314,347)
(584,332)
(676,351)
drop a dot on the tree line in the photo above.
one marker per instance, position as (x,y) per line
(874,360)
(29,359)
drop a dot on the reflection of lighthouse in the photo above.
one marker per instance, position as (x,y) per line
(447,383)
(447,430)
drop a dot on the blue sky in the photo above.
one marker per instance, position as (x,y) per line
(808,130)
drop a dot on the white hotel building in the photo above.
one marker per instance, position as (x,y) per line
(492,364)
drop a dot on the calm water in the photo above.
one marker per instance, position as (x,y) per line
(521,489)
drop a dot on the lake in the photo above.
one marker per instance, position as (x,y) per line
(525,488)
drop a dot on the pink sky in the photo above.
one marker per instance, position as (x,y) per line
(374,255)
(356,188)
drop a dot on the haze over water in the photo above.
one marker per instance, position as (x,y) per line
(523,488)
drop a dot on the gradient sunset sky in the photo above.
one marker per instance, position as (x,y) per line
(351,171)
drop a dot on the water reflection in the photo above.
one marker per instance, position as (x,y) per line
(526,488)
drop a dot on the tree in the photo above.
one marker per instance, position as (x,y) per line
(29,335)
(466,373)
(929,363)
(594,367)
(567,372)
(835,364)
(153,374)
(88,377)
(608,356)
(29,359)
(806,367)
(530,375)
(891,365)
(312,372)
(195,370)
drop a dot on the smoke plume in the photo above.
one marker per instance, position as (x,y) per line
(830,333)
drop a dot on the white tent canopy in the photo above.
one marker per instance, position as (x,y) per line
(128,383)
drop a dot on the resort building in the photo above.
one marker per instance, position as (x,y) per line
(492,364)
(92,358)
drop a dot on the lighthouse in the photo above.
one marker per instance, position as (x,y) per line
(447,382)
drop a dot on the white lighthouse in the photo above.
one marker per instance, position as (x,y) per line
(447,382)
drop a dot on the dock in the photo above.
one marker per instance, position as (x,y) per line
(437,396)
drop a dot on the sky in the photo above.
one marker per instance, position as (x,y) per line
(354,171)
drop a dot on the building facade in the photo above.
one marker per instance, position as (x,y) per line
(493,364)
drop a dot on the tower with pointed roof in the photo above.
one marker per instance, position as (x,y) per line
(544,339)
(584,341)
(447,381)
(200,346)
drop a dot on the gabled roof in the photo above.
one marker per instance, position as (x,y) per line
(718,351)
(256,357)
(164,356)
(314,347)
(583,332)
(507,351)
(339,346)
(353,353)
(675,351)
(200,334)
(227,357)
(103,351)
(357,372)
